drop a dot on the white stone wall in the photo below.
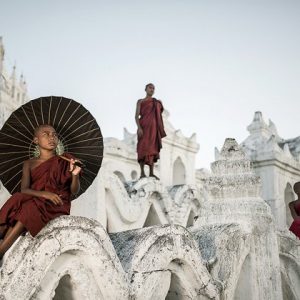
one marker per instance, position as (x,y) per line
(138,204)
(277,167)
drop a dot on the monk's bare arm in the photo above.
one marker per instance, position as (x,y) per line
(75,184)
(137,118)
(137,113)
(293,211)
(25,187)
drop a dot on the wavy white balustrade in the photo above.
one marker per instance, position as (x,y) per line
(147,202)
(74,258)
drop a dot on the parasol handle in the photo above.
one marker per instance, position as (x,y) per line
(77,163)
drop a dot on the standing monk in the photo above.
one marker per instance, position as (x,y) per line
(150,130)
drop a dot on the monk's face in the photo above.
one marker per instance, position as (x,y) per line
(46,137)
(150,90)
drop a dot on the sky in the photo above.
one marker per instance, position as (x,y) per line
(214,62)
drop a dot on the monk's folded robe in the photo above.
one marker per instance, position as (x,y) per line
(34,213)
(295,227)
(151,122)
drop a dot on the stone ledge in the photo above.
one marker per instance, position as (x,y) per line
(75,257)
(34,266)
(157,257)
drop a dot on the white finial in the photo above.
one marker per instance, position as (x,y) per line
(2,52)
(13,73)
(286,150)
(21,78)
(217,154)
(273,130)
(258,116)
(259,126)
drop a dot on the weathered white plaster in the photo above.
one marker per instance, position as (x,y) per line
(76,246)
(276,161)
(235,230)
(164,263)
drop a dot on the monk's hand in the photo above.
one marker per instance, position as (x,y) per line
(54,198)
(140,132)
(75,170)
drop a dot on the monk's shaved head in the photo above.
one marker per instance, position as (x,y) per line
(40,127)
(149,84)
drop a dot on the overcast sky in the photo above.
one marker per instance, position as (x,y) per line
(214,63)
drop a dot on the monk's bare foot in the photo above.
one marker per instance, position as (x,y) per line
(154,176)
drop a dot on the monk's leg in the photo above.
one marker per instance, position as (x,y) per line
(3,230)
(8,232)
(151,172)
(142,165)
(11,237)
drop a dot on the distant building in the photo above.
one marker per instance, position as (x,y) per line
(277,161)
(13,89)
(13,93)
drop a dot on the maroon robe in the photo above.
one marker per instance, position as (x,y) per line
(33,212)
(295,227)
(149,144)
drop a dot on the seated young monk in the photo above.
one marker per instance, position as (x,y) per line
(48,182)
(295,211)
